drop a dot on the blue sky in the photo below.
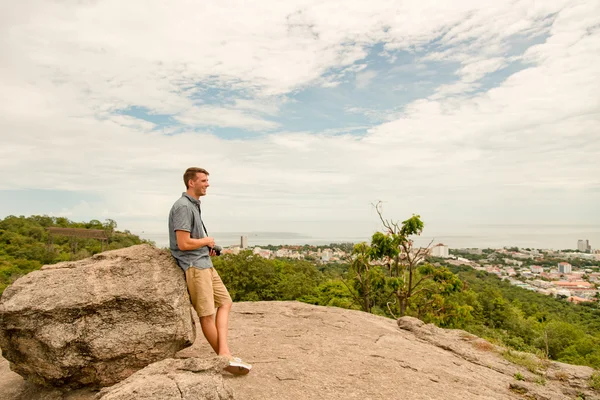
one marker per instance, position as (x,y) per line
(305,112)
(366,93)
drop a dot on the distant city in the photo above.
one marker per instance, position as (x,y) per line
(545,271)
(557,237)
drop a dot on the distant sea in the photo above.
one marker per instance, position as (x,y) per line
(482,236)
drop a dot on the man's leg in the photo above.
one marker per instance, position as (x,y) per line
(199,283)
(209,329)
(215,331)
(223,302)
(222,324)
(205,294)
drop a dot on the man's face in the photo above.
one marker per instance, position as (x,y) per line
(200,184)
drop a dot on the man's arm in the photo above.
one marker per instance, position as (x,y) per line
(185,242)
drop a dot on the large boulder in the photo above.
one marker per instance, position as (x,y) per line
(96,321)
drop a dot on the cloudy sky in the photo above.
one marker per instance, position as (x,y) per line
(304,112)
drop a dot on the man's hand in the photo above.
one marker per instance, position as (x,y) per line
(213,253)
(209,241)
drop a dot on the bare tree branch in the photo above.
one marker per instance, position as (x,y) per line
(389,309)
(356,298)
(424,289)
(421,280)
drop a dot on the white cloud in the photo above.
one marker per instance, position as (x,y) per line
(132,122)
(330,84)
(476,70)
(224,117)
(460,87)
(268,106)
(461,154)
(363,79)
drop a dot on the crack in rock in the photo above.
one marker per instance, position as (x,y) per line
(286,379)
(178,388)
(403,364)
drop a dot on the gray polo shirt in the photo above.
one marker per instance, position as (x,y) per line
(185,216)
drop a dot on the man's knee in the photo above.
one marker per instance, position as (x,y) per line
(207,319)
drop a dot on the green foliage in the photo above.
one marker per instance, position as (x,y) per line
(558,335)
(529,361)
(390,275)
(250,277)
(540,381)
(368,281)
(519,376)
(333,293)
(595,381)
(25,245)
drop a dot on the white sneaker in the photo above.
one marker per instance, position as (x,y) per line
(237,362)
(243,368)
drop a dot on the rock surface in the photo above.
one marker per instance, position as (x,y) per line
(96,321)
(299,351)
(185,379)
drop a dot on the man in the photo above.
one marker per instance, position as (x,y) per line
(192,248)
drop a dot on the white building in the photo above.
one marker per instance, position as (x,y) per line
(584,246)
(537,269)
(281,253)
(326,255)
(564,267)
(244,242)
(522,255)
(264,253)
(513,262)
(440,250)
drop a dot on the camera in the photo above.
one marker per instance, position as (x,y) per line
(217,249)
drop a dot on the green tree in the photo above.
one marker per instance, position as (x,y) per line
(296,279)
(332,293)
(558,336)
(248,277)
(366,279)
(413,283)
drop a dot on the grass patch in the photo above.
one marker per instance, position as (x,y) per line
(595,381)
(519,377)
(529,361)
(540,381)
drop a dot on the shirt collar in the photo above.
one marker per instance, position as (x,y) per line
(193,200)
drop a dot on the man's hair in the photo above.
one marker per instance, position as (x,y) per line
(190,173)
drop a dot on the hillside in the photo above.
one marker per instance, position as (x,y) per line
(301,351)
(26,245)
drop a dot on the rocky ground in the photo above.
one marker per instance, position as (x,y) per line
(299,351)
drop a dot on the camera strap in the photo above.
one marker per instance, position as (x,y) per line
(199,212)
(201,221)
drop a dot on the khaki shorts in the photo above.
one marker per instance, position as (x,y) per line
(206,289)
